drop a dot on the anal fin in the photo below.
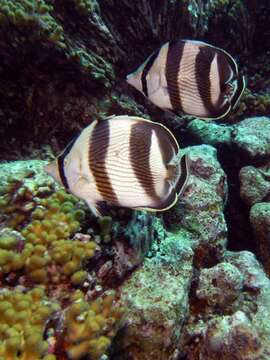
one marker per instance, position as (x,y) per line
(99,208)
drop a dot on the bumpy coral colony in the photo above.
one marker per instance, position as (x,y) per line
(37,252)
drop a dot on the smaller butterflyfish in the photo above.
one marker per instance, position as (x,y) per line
(123,161)
(191,77)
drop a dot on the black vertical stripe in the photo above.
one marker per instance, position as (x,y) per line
(61,162)
(140,147)
(203,63)
(224,72)
(184,168)
(98,149)
(239,92)
(225,65)
(173,61)
(146,69)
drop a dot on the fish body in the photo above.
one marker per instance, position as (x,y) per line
(192,77)
(123,161)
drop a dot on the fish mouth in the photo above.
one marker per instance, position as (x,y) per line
(52,170)
(48,168)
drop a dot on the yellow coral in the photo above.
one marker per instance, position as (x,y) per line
(22,322)
(51,228)
(48,243)
(90,326)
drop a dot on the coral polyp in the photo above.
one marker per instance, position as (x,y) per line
(22,324)
(90,327)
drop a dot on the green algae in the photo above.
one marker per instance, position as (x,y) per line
(35,16)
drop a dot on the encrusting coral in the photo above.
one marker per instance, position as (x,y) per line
(34,14)
(48,253)
(22,323)
(84,7)
(89,327)
(50,320)
(19,193)
(48,250)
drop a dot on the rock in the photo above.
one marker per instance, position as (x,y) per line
(97,44)
(210,132)
(156,294)
(255,281)
(231,337)
(220,285)
(260,221)
(254,184)
(22,182)
(200,210)
(29,172)
(157,300)
(239,330)
(252,137)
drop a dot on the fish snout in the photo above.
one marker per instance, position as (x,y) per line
(134,80)
(52,170)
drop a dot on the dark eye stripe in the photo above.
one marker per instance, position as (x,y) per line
(184,165)
(146,69)
(61,162)
(99,143)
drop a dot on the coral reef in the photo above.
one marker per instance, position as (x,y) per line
(154,320)
(251,136)
(35,16)
(255,184)
(22,324)
(82,41)
(46,252)
(66,278)
(228,312)
(21,185)
(84,7)
(210,133)
(260,220)
(89,327)
(201,211)
(47,249)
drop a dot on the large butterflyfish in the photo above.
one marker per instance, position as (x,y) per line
(123,161)
(191,77)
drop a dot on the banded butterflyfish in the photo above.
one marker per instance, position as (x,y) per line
(191,77)
(123,161)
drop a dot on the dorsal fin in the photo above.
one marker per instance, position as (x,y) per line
(99,208)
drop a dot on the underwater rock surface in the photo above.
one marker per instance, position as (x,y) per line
(252,136)
(255,184)
(260,220)
(229,312)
